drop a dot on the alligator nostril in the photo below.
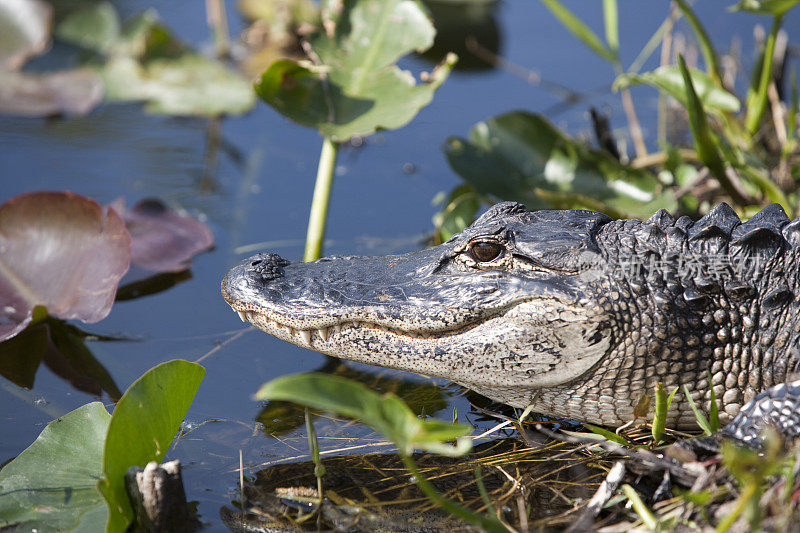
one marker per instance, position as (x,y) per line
(254,263)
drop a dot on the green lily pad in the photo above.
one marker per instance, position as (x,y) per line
(142,428)
(357,89)
(521,156)
(387,414)
(95,27)
(189,85)
(670,80)
(24,31)
(52,485)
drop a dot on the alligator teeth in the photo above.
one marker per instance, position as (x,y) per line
(249,315)
(323,333)
(306,335)
(336,329)
(242,315)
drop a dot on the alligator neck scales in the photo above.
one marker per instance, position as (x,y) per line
(570,311)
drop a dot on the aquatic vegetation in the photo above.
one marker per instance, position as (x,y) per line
(739,153)
(350,85)
(79,460)
(66,254)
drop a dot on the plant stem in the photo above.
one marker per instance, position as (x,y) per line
(758,103)
(319,203)
(485,522)
(218,21)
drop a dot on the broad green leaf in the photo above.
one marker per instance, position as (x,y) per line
(765,7)
(357,89)
(458,211)
(521,156)
(95,27)
(142,428)
(189,85)
(580,30)
(24,31)
(670,80)
(52,485)
(387,414)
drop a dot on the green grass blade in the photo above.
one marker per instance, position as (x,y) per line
(580,30)
(704,141)
(702,421)
(610,435)
(645,515)
(611,18)
(707,47)
(757,101)
(792,123)
(650,47)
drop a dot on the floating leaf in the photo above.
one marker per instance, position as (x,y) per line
(458,212)
(162,239)
(191,85)
(52,485)
(521,156)
(357,89)
(386,414)
(670,80)
(71,92)
(142,428)
(95,27)
(61,251)
(24,31)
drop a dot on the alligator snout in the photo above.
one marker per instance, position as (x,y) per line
(250,276)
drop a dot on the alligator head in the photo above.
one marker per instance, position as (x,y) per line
(501,307)
(541,308)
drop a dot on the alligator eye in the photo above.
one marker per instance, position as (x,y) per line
(485,251)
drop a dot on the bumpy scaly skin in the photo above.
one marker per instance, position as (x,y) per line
(577,314)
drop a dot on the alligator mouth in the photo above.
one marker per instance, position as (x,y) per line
(319,338)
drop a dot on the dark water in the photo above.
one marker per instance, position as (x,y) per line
(260,192)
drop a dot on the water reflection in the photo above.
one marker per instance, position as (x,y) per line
(374,491)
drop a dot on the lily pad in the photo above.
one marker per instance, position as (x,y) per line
(71,92)
(670,80)
(95,27)
(61,251)
(24,31)
(191,85)
(356,88)
(163,239)
(521,156)
(52,485)
(142,428)
(387,414)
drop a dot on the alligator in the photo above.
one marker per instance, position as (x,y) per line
(570,312)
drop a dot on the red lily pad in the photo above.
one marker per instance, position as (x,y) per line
(61,251)
(163,239)
(71,92)
(25,31)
